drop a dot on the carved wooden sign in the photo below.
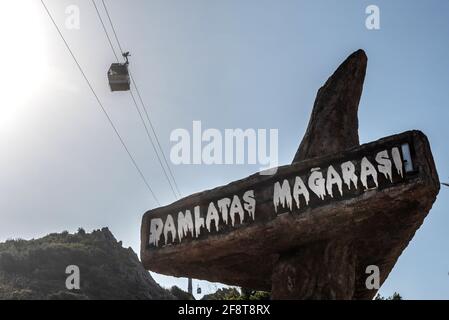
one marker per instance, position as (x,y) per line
(251,220)
(242,204)
(310,230)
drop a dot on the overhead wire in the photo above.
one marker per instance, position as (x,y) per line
(136,104)
(100,104)
(144,108)
(141,101)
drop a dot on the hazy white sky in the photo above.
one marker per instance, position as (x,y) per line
(230,64)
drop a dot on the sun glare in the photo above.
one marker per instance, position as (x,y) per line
(23,56)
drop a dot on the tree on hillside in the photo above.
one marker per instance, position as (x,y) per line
(395,296)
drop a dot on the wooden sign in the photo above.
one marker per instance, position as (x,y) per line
(292,190)
(273,212)
(310,230)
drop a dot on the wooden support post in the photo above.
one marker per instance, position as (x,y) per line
(326,270)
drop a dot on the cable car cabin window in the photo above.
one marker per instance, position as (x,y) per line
(118,77)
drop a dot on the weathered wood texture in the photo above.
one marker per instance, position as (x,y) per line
(318,271)
(333,125)
(380,221)
(319,250)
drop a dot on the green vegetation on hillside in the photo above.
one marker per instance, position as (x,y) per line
(395,296)
(234,294)
(35,269)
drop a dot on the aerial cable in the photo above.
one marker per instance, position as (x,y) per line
(154,133)
(100,104)
(105,30)
(141,100)
(136,104)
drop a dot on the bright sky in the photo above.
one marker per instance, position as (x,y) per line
(231,64)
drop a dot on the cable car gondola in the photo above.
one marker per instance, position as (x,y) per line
(118,75)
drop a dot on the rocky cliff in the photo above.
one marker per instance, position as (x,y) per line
(36,269)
